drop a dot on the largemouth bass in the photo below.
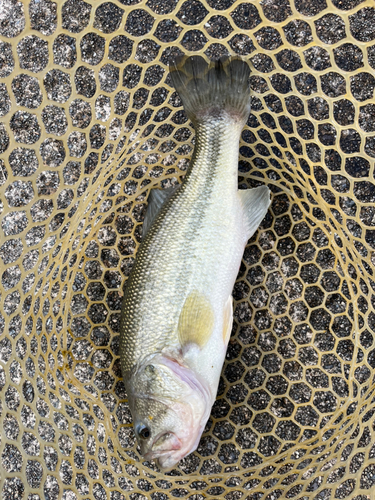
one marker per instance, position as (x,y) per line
(177,309)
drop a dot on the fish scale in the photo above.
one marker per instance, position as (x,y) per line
(175,254)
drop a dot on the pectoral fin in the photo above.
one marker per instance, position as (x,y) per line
(156,200)
(255,203)
(196,321)
(227,319)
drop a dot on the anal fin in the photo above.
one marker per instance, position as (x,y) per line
(227,320)
(255,203)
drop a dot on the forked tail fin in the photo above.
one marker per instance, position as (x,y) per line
(216,89)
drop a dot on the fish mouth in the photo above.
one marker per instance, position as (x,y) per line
(154,455)
(168,439)
(165,460)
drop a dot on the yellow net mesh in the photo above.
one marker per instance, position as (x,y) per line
(89,123)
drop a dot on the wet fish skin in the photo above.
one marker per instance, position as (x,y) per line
(177,309)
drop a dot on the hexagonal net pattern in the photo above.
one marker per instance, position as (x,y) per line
(89,123)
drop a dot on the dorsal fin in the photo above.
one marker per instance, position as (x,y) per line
(255,203)
(196,321)
(156,200)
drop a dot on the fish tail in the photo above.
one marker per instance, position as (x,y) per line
(214,89)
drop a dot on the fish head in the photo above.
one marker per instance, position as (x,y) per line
(169,410)
(166,431)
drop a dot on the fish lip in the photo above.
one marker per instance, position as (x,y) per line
(151,455)
(154,455)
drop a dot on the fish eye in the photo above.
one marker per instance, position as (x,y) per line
(144,432)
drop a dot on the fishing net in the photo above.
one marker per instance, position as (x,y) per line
(89,123)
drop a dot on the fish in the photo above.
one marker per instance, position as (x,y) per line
(177,311)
